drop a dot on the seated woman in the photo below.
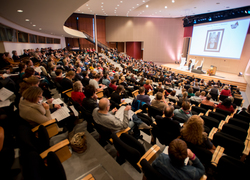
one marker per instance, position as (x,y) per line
(190,92)
(203,95)
(184,97)
(77,95)
(147,86)
(226,105)
(193,132)
(22,67)
(113,84)
(226,91)
(172,95)
(117,95)
(32,108)
(172,166)
(122,82)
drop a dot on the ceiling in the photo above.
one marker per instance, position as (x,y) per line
(49,16)
(157,8)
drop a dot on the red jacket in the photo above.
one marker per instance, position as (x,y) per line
(230,109)
(226,92)
(77,97)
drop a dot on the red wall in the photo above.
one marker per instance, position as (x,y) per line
(133,49)
(188,31)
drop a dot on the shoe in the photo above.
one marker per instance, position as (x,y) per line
(144,126)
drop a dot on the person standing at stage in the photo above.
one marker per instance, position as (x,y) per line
(189,64)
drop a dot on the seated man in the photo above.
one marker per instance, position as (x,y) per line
(90,100)
(166,127)
(172,165)
(207,101)
(196,97)
(113,84)
(106,118)
(94,82)
(159,101)
(184,112)
(66,82)
(142,97)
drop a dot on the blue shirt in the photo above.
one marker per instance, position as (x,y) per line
(163,165)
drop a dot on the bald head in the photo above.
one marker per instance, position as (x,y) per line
(103,104)
(169,111)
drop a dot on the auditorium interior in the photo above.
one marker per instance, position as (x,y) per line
(186,48)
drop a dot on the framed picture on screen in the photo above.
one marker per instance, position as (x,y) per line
(213,40)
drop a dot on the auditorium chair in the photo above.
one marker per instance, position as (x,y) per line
(198,110)
(210,121)
(221,111)
(222,97)
(238,101)
(66,94)
(214,96)
(207,107)
(153,111)
(242,117)
(36,169)
(216,115)
(194,102)
(149,172)
(238,123)
(132,150)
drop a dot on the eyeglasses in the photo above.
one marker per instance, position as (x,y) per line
(41,97)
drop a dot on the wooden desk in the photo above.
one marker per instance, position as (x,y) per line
(95,155)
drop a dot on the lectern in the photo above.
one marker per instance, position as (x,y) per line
(213,69)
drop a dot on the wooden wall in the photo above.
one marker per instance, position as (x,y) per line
(85,24)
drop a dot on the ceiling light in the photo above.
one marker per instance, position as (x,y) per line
(130,9)
(117,4)
(133,7)
(115,7)
(101,6)
(146,6)
(137,4)
(40,29)
(87,5)
(160,11)
(102,9)
(82,12)
(20,10)
(102,2)
(78,9)
(166,7)
(143,1)
(27,20)
(114,12)
(34,25)
(88,8)
(142,11)
(172,1)
(121,1)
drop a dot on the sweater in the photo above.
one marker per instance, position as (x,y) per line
(34,113)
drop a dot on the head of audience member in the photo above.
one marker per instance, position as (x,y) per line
(183,90)
(120,89)
(215,86)
(85,74)
(104,105)
(208,97)
(22,66)
(248,109)
(77,86)
(173,93)
(177,152)
(78,70)
(113,81)
(14,53)
(122,79)
(185,106)
(97,77)
(226,87)
(142,90)
(58,73)
(147,82)
(193,131)
(203,93)
(159,84)
(90,92)
(111,74)
(197,93)
(227,102)
(158,96)
(106,76)
(33,94)
(190,90)
(28,82)
(70,75)
(29,63)
(29,71)
(169,111)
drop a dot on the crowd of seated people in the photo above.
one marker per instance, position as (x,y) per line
(87,73)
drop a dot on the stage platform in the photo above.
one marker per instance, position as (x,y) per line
(227,78)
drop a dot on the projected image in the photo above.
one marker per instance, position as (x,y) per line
(213,40)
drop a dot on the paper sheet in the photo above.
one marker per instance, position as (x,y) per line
(61,113)
(5,103)
(5,94)
(74,110)
(120,113)
(38,69)
(57,101)
(128,101)
(151,97)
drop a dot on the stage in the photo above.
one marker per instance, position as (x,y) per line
(227,78)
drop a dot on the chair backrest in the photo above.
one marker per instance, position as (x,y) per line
(135,93)
(172,100)
(210,121)
(235,131)
(127,152)
(239,123)
(194,102)
(153,111)
(207,107)
(199,109)
(242,117)
(217,116)
(222,97)
(238,101)
(149,172)
(224,112)
(233,146)
(214,96)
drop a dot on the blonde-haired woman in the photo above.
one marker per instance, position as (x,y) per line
(193,132)
(147,86)
(226,91)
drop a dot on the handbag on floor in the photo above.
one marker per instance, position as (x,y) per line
(78,142)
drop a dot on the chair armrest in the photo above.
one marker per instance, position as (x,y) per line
(99,94)
(123,131)
(208,112)
(201,114)
(214,110)
(67,91)
(212,132)
(236,109)
(138,111)
(217,155)
(51,127)
(247,147)
(221,125)
(61,149)
(242,102)
(150,155)
(204,177)
(122,103)
(151,92)
(88,177)
(227,118)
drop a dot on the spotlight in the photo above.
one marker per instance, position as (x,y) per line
(194,21)
(240,74)
(209,19)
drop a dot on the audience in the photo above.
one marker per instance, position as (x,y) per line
(203,95)
(226,105)
(226,91)
(66,82)
(245,112)
(184,112)
(196,97)
(90,100)
(207,101)
(172,95)
(178,151)
(117,95)
(147,86)
(142,97)
(113,84)
(159,102)
(190,92)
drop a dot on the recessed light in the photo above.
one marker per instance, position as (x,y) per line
(87,5)
(27,20)
(82,12)
(114,12)
(166,7)
(173,1)
(115,7)
(78,9)
(143,1)
(146,6)
(34,25)
(121,1)
(101,6)
(137,4)
(102,2)
(160,11)
(133,7)
(102,9)
(117,4)
(40,29)
(130,9)
(142,11)
(88,8)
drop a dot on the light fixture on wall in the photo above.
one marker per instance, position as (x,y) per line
(240,74)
